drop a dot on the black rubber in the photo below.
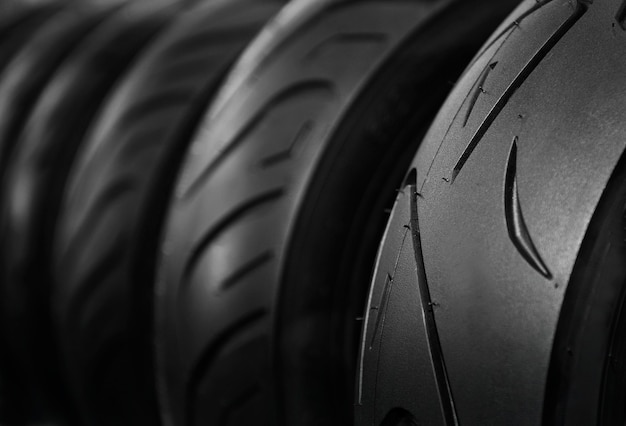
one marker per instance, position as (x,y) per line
(36,175)
(25,76)
(281,204)
(498,295)
(31,69)
(587,380)
(18,25)
(116,195)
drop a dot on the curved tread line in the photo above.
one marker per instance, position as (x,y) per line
(118,65)
(284,155)
(382,305)
(245,270)
(292,91)
(134,150)
(143,109)
(229,219)
(27,75)
(507,31)
(515,84)
(94,213)
(74,316)
(90,281)
(380,319)
(432,335)
(236,403)
(538,5)
(515,223)
(346,38)
(188,50)
(135,139)
(478,89)
(456,115)
(209,355)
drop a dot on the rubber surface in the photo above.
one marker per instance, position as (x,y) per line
(37,173)
(23,80)
(506,184)
(32,67)
(278,210)
(586,377)
(18,26)
(115,196)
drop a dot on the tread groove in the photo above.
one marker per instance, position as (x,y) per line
(109,197)
(382,306)
(515,84)
(91,280)
(512,25)
(209,355)
(145,108)
(516,226)
(432,335)
(295,90)
(478,89)
(242,210)
(246,269)
(286,154)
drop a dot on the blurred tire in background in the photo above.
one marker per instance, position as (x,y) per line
(26,74)
(33,186)
(112,207)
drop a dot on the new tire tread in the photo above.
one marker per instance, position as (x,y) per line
(303,135)
(37,172)
(115,197)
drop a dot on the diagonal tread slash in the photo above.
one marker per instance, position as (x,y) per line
(515,223)
(478,89)
(380,320)
(620,16)
(515,84)
(229,219)
(434,344)
(514,24)
(381,308)
(209,355)
(245,270)
(506,31)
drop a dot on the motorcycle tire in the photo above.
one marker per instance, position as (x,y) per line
(281,203)
(499,288)
(114,200)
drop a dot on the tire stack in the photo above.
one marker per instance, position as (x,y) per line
(315,212)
